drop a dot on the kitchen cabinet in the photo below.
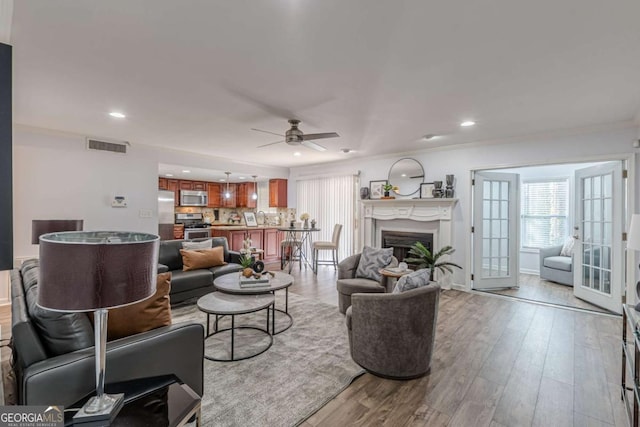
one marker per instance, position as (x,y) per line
(243,196)
(173,185)
(213,190)
(277,193)
(186,185)
(162,184)
(272,239)
(236,239)
(231,201)
(178,231)
(198,186)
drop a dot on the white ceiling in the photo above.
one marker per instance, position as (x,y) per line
(198,75)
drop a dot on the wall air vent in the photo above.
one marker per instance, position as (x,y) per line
(114,147)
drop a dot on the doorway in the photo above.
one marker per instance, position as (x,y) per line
(551,233)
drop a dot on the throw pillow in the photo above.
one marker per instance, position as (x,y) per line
(567,247)
(413,280)
(191,246)
(142,316)
(371,261)
(202,258)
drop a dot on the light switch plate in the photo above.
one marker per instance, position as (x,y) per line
(146,213)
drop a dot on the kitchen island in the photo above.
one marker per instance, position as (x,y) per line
(264,237)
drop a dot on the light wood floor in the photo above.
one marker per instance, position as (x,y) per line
(535,289)
(496,363)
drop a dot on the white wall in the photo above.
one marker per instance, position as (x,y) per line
(460,161)
(56,177)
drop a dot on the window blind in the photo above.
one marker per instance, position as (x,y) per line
(330,201)
(545,209)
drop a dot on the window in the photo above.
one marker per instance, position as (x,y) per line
(330,201)
(545,209)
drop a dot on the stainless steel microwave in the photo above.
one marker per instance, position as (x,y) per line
(193,198)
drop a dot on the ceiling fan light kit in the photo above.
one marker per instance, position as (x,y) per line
(295,136)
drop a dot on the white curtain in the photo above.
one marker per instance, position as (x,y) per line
(330,201)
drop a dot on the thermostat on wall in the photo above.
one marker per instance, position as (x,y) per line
(119,202)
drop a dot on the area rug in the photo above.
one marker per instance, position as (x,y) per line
(307,365)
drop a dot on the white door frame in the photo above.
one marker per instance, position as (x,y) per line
(629,160)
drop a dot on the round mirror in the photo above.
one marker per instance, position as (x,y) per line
(406,174)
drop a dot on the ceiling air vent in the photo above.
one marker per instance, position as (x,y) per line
(114,147)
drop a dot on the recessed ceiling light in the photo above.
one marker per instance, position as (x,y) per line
(467,123)
(297,153)
(430,136)
(222,180)
(186,171)
(347,150)
(168,174)
(403,175)
(117,115)
(241,177)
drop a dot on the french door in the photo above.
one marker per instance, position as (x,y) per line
(598,259)
(496,236)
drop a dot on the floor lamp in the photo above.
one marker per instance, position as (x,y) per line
(93,271)
(633,242)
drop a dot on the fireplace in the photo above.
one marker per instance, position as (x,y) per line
(401,241)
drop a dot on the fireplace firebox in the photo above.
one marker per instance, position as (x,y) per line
(401,242)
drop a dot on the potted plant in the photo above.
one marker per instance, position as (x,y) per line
(246,261)
(387,188)
(422,257)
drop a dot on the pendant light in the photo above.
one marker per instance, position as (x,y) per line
(227,194)
(254,196)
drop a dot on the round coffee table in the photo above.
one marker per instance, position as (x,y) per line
(221,304)
(230,283)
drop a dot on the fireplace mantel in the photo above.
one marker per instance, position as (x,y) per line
(426,215)
(413,209)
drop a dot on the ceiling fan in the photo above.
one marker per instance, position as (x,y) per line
(295,136)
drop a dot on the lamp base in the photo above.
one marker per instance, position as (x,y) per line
(96,413)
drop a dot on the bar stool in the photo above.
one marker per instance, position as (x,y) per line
(328,246)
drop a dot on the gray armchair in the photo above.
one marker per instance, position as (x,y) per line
(348,283)
(392,335)
(554,267)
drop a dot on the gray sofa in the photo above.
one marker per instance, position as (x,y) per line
(554,267)
(195,283)
(53,353)
(349,284)
(392,335)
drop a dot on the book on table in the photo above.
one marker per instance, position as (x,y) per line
(249,282)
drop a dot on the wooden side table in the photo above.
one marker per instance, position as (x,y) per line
(392,276)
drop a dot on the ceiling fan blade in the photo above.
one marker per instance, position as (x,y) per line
(266,131)
(271,143)
(313,145)
(308,136)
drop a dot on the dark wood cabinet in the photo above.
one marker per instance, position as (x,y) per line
(186,185)
(162,184)
(244,195)
(236,238)
(178,231)
(278,193)
(173,185)
(213,191)
(198,185)
(271,241)
(231,201)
